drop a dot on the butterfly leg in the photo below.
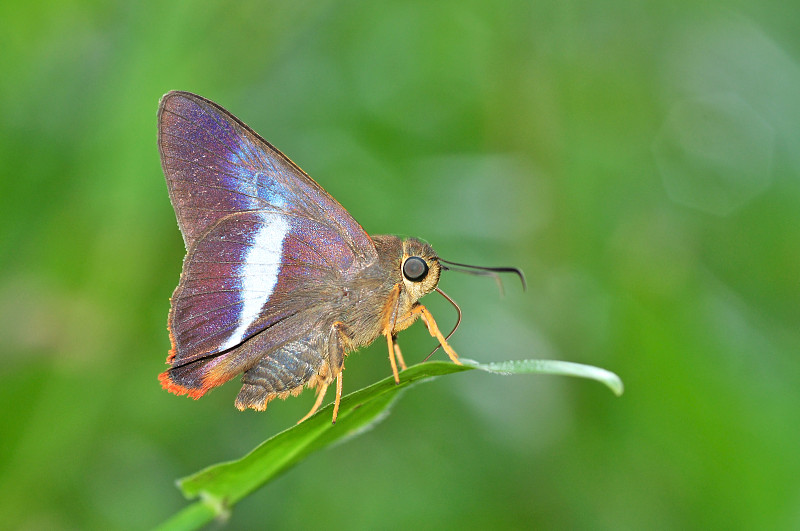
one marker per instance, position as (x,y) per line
(338,396)
(390,340)
(427,318)
(320,396)
(404,322)
(399,355)
(338,343)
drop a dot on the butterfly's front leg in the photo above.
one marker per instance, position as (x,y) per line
(427,318)
(403,322)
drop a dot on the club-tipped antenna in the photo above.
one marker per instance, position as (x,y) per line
(458,322)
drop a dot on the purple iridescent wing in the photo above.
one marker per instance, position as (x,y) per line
(263,240)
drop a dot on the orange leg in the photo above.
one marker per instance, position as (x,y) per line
(406,321)
(392,362)
(320,397)
(427,318)
(340,336)
(338,396)
(399,356)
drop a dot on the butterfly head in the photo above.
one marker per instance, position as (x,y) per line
(420,268)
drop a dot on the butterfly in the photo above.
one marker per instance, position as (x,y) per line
(279,282)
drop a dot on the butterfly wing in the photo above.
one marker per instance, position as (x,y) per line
(264,243)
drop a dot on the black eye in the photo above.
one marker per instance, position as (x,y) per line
(415,268)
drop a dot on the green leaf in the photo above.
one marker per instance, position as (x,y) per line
(562,368)
(221,486)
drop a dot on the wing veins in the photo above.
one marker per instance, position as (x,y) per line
(197,126)
(215,169)
(234,123)
(188,142)
(234,327)
(264,201)
(190,295)
(314,249)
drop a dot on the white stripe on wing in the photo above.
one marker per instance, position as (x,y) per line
(259,273)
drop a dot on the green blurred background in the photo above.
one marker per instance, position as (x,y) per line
(639,161)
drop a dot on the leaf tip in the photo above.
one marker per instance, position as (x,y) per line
(614,383)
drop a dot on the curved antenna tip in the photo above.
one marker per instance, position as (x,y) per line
(486,271)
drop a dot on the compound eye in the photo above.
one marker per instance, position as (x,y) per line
(415,268)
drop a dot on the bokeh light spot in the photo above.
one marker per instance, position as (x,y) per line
(714,154)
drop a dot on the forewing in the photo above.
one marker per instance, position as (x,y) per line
(216,165)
